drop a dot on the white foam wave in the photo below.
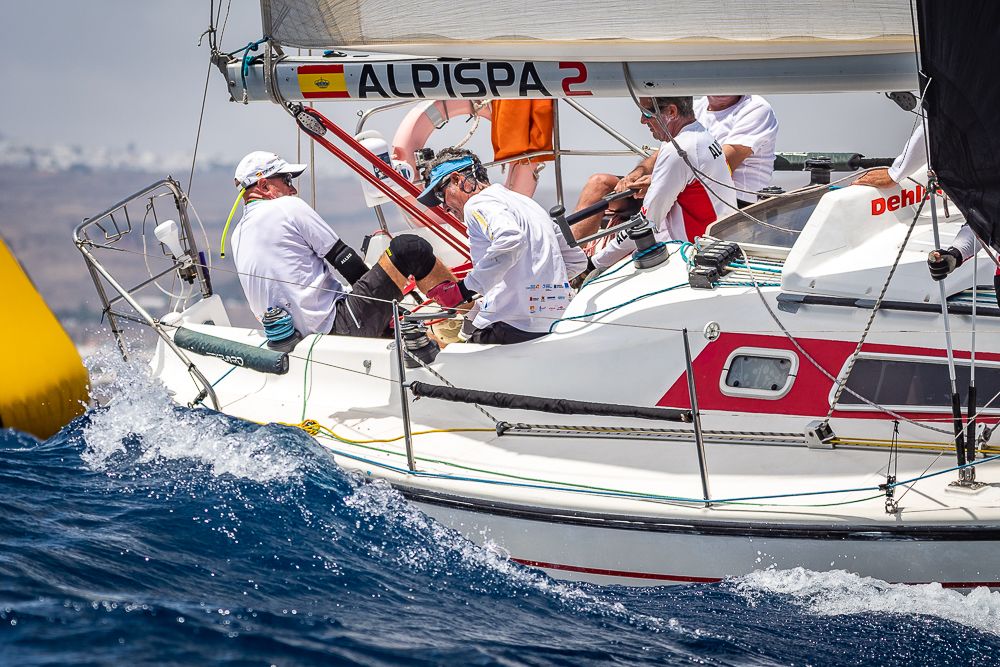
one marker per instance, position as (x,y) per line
(378,499)
(139,408)
(839,593)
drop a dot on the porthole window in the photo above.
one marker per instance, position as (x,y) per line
(754,372)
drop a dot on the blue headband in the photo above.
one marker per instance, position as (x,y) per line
(429,197)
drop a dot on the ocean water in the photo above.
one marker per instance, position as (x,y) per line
(146,533)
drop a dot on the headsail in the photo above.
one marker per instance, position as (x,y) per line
(592,30)
(959,50)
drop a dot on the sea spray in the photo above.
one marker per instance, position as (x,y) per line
(838,593)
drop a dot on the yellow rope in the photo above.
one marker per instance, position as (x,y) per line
(313,427)
(225,230)
(907,444)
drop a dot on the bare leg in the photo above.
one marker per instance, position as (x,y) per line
(597,187)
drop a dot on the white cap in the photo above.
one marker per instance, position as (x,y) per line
(262,164)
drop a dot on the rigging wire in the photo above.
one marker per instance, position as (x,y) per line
(213,20)
(841,384)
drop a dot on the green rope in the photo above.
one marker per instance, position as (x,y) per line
(572,485)
(307,378)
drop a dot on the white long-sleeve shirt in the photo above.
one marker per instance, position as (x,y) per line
(677,204)
(521,263)
(966,242)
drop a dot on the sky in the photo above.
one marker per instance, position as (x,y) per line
(114,73)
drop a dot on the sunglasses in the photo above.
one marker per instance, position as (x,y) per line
(442,186)
(647,113)
(287,178)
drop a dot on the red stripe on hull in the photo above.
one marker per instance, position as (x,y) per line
(809,395)
(679,578)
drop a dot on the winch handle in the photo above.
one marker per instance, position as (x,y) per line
(563,221)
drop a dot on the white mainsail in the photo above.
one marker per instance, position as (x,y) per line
(643,30)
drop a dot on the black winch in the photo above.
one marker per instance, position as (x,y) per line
(417,343)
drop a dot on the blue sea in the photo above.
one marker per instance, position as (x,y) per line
(146,533)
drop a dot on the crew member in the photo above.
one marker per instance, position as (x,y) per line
(284,251)
(677,201)
(746,127)
(521,264)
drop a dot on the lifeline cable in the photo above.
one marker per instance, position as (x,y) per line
(616,324)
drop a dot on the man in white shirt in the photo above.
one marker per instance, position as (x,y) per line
(521,263)
(284,251)
(746,127)
(681,206)
(679,203)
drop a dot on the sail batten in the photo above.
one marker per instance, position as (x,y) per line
(637,29)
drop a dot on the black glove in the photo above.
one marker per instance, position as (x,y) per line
(950,260)
(467,294)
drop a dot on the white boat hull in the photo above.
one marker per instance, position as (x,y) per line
(658,552)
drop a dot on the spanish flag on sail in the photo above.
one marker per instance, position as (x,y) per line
(318,82)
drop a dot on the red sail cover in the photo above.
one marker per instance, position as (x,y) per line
(959,53)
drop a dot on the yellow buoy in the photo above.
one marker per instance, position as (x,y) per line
(43,385)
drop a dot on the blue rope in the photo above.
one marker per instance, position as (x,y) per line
(247,58)
(615,307)
(746,284)
(740,264)
(279,329)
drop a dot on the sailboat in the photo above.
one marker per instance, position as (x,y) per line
(779,394)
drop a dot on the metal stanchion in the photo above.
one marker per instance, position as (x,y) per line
(404,403)
(696,421)
(556,144)
(965,475)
